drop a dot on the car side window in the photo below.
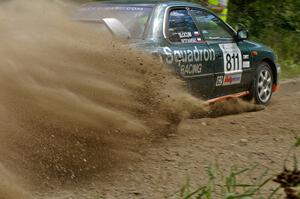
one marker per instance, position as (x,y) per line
(182,28)
(212,27)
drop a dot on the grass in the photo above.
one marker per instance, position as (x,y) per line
(247,183)
(237,184)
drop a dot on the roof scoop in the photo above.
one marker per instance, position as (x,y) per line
(117,28)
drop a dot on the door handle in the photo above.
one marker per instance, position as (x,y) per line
(220,56)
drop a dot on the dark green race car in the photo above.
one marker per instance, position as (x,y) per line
(214,59)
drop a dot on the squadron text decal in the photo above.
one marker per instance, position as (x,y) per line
(189,61)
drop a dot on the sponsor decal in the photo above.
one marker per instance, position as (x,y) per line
(121,8)
(185,34)
(219,81)
(246,61)
(189,40)
(246,64)
(189,60)
(232,79)
(246,57)
(232,58)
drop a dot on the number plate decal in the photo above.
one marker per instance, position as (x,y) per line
(232,58)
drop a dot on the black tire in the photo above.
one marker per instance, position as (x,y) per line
(261,90)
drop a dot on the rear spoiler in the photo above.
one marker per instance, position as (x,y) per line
(116,28)
(113,25)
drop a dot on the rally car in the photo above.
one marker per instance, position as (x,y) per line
(215,60)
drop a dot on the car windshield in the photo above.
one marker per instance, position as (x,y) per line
(134,17)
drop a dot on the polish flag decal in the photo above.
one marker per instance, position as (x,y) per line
(196,34)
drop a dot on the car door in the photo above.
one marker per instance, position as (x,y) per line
(232,58)
(187,52)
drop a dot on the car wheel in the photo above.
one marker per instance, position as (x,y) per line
(262,89)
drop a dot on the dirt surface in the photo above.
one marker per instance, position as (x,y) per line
(262,137)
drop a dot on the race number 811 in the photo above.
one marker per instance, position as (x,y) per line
(232,62)
(232,58)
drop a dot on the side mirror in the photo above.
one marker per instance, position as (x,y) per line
(242,35)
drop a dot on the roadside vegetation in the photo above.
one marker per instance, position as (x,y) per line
(274,23)
(256,181)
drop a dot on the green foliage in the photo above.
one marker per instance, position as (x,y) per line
(231,186)
(274,23)
(297,144)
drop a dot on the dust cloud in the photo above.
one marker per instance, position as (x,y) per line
(74,103)
(8,187)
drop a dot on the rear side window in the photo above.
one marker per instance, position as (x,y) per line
(181,27)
